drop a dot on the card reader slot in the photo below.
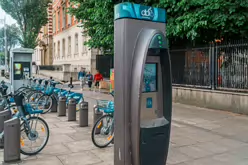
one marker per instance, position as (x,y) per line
(159,134)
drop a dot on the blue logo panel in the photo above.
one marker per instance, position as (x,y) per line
(136,11)
(149,102)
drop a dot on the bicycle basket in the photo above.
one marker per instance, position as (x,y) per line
(102,103)
(49,90)
(19,99)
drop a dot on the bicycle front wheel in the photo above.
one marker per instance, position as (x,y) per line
(45,103)
(33,98)
(103,131)
(34,136)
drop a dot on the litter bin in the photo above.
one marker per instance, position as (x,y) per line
(2,73)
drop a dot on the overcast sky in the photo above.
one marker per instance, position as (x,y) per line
(9,19)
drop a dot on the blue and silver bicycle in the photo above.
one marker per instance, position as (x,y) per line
(34,130)
(103,130)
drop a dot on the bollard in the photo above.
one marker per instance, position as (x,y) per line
(12,140)
(4,115)
(72,110)
(97,115)
(62,106)
(83,114)
(54,106)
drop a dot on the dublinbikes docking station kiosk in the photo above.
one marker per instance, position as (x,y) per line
(143,89)
(20,67)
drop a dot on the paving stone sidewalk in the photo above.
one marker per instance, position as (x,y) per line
(199,137)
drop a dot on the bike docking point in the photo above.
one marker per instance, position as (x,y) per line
(12,140)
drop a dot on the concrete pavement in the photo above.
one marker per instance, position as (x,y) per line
(199,137)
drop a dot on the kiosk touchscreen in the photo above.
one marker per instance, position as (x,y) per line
(21,70)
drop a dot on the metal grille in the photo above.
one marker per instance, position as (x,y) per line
(231,66)
(190,67)
(222,66)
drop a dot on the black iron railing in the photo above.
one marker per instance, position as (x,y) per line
(232,66)
(190,67)
(218,66)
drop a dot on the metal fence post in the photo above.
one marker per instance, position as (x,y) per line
(213,66)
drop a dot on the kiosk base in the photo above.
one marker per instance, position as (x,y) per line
(153,145)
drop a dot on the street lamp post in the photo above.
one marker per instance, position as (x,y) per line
(6,45)
(3,21)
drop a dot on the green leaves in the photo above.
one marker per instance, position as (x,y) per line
(97,22)
(30,15)
(13,35)
(200,21)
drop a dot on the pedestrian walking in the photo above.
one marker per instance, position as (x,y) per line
(89,79)
(97,79)
(81,77)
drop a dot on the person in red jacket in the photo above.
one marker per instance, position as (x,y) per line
(97,78)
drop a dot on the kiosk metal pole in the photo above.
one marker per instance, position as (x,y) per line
(143,89)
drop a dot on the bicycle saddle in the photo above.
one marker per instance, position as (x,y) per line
(46,82)
(40,81)
(70,86)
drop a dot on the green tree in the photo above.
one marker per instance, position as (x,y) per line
(2,57)
(204,21)
(97,22)
(188,21)
(13,37)
(30,15)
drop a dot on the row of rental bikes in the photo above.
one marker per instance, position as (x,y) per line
(38,97)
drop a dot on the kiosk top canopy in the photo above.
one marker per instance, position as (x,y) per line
(22,50)
(136,11)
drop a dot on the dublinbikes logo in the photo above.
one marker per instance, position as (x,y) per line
(147,12)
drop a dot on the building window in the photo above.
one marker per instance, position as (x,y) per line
(74,19)
(84,46)
(58,49)
(69,46)
(58,20)
(54,50)
(76,43)
(64,16)
(69,20)
(63,48)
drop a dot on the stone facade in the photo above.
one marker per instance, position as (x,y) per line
(69,48)
(44,50)
(66,44)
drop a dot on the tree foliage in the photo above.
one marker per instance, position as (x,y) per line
(203,20)
(30,15)
(13,36)
(200,21)
(97,22)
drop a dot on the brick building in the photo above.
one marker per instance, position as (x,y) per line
(68,42)
(44,50)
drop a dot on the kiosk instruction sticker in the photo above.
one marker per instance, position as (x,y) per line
(149,102)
